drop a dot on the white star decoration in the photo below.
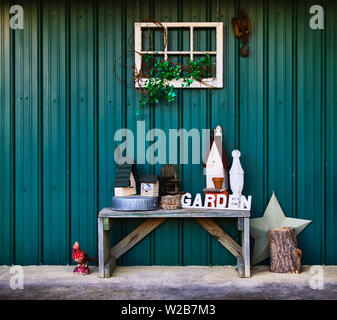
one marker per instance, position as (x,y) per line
(273,218)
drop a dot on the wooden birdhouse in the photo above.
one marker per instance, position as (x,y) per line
(125,180)
(149,185)
(169,180)
(217,162)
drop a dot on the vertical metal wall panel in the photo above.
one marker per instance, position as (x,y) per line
(6,222)
(110,100)
(251,101)
(167,240)
(136,11)
(61,108)
(280,103)
(55,126)
(309,132)
(223,101)
(331,132)
(196,240)
(27,130)
(83,169)
(223,111)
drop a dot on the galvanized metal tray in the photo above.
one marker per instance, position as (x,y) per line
(134,203)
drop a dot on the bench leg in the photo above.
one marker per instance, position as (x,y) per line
(240,267)
(246,247)
(240,264)
(104,251)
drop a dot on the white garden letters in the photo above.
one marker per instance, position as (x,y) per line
(210,203)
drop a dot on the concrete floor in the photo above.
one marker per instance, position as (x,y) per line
(163,282)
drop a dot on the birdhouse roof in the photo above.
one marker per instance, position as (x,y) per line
(221,149)
(123,173)
(149,178)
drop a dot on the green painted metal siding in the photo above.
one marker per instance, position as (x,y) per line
(61,104)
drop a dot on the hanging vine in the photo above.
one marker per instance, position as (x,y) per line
(158,86)
(158,73)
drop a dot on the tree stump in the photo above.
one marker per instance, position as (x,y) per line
(170,202)
(285,257)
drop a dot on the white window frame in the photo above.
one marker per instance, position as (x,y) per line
(216,82)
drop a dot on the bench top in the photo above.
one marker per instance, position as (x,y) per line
(180,213)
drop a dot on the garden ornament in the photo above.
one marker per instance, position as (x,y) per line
(81,258)
(242,29)
(273,218)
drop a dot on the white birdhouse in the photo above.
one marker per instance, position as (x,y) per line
(149,185)
(216,162)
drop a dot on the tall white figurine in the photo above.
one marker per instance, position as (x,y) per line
(236,175)
(216,161)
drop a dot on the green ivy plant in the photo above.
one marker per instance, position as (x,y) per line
(158,87)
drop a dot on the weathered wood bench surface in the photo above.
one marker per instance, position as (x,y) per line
(107,256)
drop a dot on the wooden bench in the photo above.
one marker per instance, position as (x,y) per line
(107,257)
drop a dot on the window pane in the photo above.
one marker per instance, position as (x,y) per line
(204,39)
(181,60)
(207,70)
(178,39)
(148,61)
(152,39)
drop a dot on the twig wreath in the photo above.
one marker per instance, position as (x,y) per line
(158,72)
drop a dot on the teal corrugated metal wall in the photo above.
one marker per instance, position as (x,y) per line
(61,104)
